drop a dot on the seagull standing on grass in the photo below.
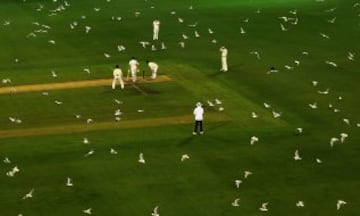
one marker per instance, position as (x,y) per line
(155,211)
(238,182)
(141,158)
(343,136)
(91,152)
(263,207)
(87,211)
(69,182)
(300,204)
(184,157)
(253,140)
(247,173)
(6,160)
(113,151)
(297,156)
(333,140)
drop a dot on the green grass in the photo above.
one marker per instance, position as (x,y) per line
(203,185)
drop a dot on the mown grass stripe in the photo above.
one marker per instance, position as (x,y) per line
(73,85)
(126,124)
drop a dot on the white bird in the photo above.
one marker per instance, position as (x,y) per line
(293,12)
(97,9)
(325,92)
(339,204)
(351,56)
(318,160)
(324,35)
(255,53)
(221,109)
(52,42)
(247,173)
(357,124)
(289,67)
(155,211)
(91,152)
(267,105)
(163,47)
(117,101)
(214,41)
(140,110)
(86,141)
(331,9)
(77,116)
(87,29)
(346,121)
(284,18)
(254,115)
(357,4)
(53,73)
(238,183)
(305,53)
(246,20)
(185,36)
(13,171)
(58,102)
(263,207)
(295,22)
(193,25)
(210,31)
(276,114)
(343,136)
(253,140)
(283,27)
(144,43)
(300,204)
(29,195)
(107,55)
(242,31)
(196,34)
(217,101)
(87,211)
(333,140)
(211,104)
(7,160)
(117,112)
(182,44)
(297,62)
(89,120)
(299,130)
(296,155)
(180,20)
(69,182)
(87,70)
(315,83)
(153,48)
(184,157)
(313,105)
(113,151)
(141,158)
(236,202)
(332,20)
(331,63)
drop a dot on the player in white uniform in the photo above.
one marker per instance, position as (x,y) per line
(154,68)
(133,68)
(118,77)
(156,28)
(199,116)
(224,52)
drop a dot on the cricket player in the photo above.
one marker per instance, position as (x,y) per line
(154,68)
(199,116)
(224,52)
(133,68)
(118,77)
(156,28)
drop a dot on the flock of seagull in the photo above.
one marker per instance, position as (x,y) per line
(285,25)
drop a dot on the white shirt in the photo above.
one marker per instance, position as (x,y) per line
(156,23)
(153,66)
(133,63)
(199,113)
(117,72)
(224,52)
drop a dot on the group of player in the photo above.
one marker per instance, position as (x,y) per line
(133,70)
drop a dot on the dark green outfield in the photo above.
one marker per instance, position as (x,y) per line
(204,184)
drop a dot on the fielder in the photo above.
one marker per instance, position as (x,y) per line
(133,68)
(154,68)
(224,52)
(117,77)
(156,28)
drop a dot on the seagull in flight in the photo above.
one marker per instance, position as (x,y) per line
(332,20)
(184,157)
(155,211)
(339,204)
(351,56)
(29,195)
(253,140)
(255,53)
(236,202)
(263,207)
(283,27)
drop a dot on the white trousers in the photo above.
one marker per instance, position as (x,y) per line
(120,81)
(154,73)
(224,66)
(133,74)
(156,34)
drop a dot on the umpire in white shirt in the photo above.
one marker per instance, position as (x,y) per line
(199,116)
